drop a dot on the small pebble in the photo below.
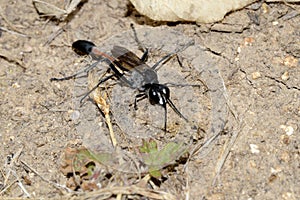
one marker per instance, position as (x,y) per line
(248,41)
(16,85)
(265,8)
(285,76)
(287,129)
(285,156)
(285,139)
(256,75)
(290,61)
(254,148)
(27,48)
(239,49)
(288,195)
(276,171)
(74,114)
(12,138)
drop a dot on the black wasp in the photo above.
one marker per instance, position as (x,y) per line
(131,71)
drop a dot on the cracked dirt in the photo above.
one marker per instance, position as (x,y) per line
(256,51)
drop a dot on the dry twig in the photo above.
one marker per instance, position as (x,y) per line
(14,29)
(9,169)
(229,144)
(11,59)
(130,190)
(100,100)
(59,186)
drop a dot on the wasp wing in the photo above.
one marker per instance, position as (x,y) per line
(127,59)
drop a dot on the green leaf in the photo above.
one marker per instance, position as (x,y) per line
(157,159)
(148,147)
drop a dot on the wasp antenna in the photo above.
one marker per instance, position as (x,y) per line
(165,107)
(176,110)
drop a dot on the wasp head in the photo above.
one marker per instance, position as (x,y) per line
(158,94)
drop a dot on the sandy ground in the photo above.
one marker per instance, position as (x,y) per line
(255,52)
